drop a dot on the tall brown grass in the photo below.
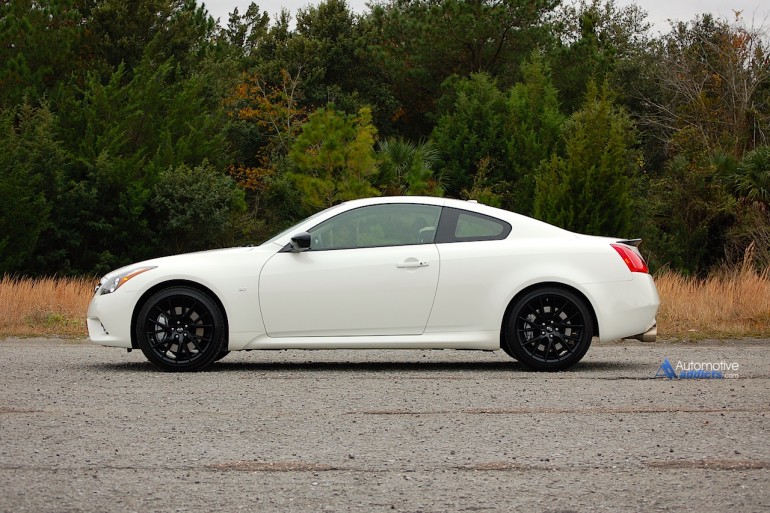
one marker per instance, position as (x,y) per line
(44,306)
(727,304)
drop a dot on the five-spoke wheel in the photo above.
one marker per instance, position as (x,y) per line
(180,329)
(548,329)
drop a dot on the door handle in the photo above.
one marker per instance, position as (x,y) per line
(411,263)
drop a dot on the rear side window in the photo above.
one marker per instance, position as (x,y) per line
(463,226)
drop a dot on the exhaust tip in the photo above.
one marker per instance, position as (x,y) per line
(651,335)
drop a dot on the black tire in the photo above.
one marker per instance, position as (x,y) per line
(507,350)
(180,329)
(221,355)
(549,329)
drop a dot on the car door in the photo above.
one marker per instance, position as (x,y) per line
(369,271)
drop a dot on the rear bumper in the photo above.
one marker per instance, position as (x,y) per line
(625,309)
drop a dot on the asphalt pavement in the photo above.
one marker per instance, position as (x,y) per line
(94,429)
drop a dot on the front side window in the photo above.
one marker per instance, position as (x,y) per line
(394,224)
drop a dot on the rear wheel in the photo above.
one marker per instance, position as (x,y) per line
(180,329)
(549,329)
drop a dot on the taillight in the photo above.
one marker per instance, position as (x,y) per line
(635,263)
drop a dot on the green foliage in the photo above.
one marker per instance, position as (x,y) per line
(128,32)
(111,110)
(588,190)
(334,158)
(194,207)
(484,190)
(472,132)
(535,129)
(38,47)
(30,161)
(245,32)
(122,135)
(597,40)
(421,43)
(749,237)
(751,181)
(407,168)
(690,212)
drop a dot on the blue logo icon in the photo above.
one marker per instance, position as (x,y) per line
(666,370)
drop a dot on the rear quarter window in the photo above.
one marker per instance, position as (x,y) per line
(464,226)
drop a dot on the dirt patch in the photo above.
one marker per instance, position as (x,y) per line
(568,411)
(17,410)
(711,464)
(271,466)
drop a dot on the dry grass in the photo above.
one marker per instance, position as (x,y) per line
(725,305)
(44,306)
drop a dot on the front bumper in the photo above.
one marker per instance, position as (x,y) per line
(109,319)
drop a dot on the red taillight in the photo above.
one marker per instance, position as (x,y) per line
(635,263)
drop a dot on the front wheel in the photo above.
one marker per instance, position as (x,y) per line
(180,329)
(549,329)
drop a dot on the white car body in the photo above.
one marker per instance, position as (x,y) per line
(414,296)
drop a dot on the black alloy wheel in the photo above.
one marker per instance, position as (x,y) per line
(549,329)
(180,329)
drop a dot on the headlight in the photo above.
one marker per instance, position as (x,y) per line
(110,284)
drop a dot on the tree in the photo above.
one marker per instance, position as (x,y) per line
(194,208)
(714,79)
(122,135)
(420,43)
(270,116)
(750,234)
(31,160)
(407,168)
(246,32)
(128,32)
(689,212)
(597,40)
(751,181)
(334,158)
(38,47)
(474,129)
(534,129)
(588,190)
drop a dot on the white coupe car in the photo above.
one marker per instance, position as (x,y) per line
(385,273)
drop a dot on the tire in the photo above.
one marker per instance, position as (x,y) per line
(549,329)
(507,350)
(180,329)
(221,355)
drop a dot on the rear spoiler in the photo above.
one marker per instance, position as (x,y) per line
(631,242)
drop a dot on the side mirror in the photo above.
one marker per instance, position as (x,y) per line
(300,242)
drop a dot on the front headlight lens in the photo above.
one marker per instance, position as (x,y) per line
(110,284)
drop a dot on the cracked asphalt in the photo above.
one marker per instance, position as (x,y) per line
(85,428)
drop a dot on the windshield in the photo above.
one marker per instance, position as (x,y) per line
(293,228)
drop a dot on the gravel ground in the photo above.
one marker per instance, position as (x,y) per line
(87,428)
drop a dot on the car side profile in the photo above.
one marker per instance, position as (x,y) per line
(385,273)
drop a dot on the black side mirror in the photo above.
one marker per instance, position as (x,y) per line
(300,242)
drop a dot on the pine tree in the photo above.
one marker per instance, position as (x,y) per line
(334,158)
(588,190)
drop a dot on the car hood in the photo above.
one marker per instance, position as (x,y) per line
(220,256)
